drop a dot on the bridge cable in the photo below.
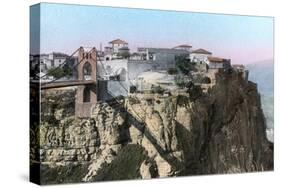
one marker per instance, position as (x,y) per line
(124,89)
(71,67)
(64,62)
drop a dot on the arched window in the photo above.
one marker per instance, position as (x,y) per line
(87,71)
(87,94)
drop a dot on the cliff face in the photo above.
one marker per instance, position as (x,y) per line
(218,131)
(230,130)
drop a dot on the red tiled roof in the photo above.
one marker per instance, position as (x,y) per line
(201,51)
(183,46)
(216,59)
(118,41)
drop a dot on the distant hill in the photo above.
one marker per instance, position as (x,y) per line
(262,73)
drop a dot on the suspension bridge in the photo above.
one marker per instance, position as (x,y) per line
(86,80)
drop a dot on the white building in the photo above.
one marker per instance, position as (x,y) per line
(51,60)
(218,63)
(166,57)
(117,44)
(116,50)
(116,69)
(215,62)
(57,58)
(200,55)
(45,62)
(121,73)
(145,59)
(147,80)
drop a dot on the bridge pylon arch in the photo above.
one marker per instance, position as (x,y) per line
(87,70)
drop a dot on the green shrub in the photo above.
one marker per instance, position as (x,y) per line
(182,100)
(201,79)
(206,80)
(195,92)
(180,81)
(133,89)
(184,64)
(59,72)
(157,89)
(172,71)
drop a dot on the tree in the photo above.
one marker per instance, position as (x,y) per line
(59,72)
(184,64)
(195,92)
(172,70)
(67,70)
(124,54)
(180,81)
(56,72)
(133,89)
(157,89)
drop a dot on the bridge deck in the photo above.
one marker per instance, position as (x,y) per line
(66,84)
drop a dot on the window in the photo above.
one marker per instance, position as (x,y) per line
(87,94)
(87,71)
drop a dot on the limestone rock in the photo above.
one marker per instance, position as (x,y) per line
(148,170)
(219,131)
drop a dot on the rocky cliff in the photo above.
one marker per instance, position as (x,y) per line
(218,131)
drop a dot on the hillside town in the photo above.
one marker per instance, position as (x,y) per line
(148,70)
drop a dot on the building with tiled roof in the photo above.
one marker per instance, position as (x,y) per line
(117,45)
(183,47)
(218,62)
(118,41)
(200,55)
(201,51)
(215,59)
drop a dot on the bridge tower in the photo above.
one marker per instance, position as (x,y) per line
(86,96)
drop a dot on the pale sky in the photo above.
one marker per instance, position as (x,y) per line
(243,39)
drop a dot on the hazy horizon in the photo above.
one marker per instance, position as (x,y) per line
(243,39)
